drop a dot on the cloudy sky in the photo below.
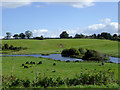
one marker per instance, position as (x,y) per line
(50,19)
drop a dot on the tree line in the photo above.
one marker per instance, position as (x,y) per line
(103,35)
(28,34)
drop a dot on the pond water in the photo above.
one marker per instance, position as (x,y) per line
(59,57)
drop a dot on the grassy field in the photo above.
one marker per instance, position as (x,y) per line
(62,69)
(13,65)
(52,45)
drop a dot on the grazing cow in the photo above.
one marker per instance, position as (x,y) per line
(22,64)
(54,64)
(67,61)
(102,63)
(40,62)
(27,62)
(53,70)
(25,66)
(33,62)
(77,61)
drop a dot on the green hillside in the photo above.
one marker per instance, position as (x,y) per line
(53,45)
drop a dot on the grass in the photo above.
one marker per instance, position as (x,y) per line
(51,45)
(13,65)
(62,69)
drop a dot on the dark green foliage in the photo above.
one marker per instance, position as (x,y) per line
(105,77)
(11,47)
(81,53)
(28,34)
(22,35)
(64,34)
(8,35)
(16,36)
(39,38)
(79,36)
(69,52)
(65,53)
(92,55)
(73,51)
(26,83)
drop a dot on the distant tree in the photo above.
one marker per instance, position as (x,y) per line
(79,36)
(94,36)
(98,36)
(16,36)
(64,34)
(115,35)
(22,35)
(39,38)
(28,34)
(8,35)
(106,35)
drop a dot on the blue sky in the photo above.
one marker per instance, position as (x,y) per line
(50,19)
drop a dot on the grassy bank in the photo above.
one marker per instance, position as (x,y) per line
(52,45)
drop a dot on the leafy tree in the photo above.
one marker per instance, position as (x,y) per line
(16,36)
(64,34)
(98,36)
(115,35)
(28,34)
(22,35)
(79,36)
(8,35)
(106,35)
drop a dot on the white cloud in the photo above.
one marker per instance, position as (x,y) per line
(76,4)
(15,4)
(106,25)
(40,32)
(83,4)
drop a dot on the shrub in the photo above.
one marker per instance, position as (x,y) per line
(73,51)
(92,55)
(82,51)
(65,53)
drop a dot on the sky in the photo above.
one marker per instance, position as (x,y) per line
(50,19)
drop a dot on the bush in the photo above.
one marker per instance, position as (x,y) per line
(65,53)
(93,55)
(82,51)
(6,47)
(69,52)
(73,51)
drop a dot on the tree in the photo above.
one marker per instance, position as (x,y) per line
(79,36)
(64,34)
(16,36)
(28,34)
(106,35)
(22,35)
(8,35)
(115,35)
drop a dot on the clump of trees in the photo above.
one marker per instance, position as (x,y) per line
(103,35)
(39,38)
(11,47)
(85,54)
(27,34)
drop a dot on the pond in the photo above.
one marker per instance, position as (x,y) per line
(59,57)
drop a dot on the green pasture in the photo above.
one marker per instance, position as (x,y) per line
(13,65)
(52,45)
